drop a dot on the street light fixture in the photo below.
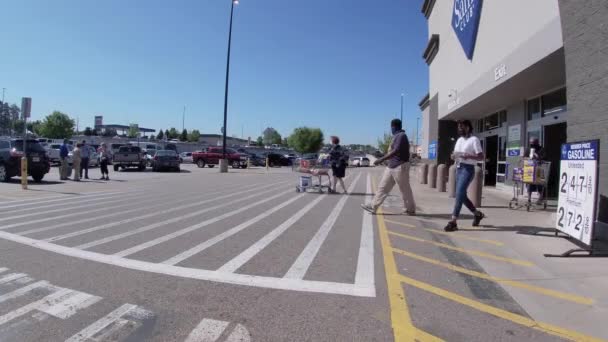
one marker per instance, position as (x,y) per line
(224,163)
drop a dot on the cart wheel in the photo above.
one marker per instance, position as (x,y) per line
(528,207)
(510,205)
(545,205)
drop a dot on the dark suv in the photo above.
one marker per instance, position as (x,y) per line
(11,151)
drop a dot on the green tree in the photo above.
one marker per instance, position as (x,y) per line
(184,135)
(260,141)
(133,131)
(385,142)
(194,135)
(34,127)
(88,131)
(57,125)
(14,112)
(271,136)
(173,133)
(167,135)
(306,140)
(160,135)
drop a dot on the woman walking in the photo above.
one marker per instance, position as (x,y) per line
(338,160)
(467,153)
(104,159)
(76,159)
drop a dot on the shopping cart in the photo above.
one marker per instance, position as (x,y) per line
(533,175)
(310,169)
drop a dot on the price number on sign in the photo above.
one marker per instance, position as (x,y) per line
(576,186)
(568,218)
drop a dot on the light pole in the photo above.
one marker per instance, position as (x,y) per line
(417,122)
(224,164)
(184,119)
(402,94)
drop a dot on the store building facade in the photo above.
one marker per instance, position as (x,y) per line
(517,69)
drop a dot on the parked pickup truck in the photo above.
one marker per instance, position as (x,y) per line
(129,156)
(212,156)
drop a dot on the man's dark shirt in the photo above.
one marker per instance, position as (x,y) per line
(401,144)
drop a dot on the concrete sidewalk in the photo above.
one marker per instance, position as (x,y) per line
(513,230)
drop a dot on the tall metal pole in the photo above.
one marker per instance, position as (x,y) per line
(417,122)
(402,108)
(184,119)
(225,128)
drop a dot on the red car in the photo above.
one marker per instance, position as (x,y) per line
(212,156)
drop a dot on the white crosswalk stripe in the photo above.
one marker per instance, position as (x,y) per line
(141,217)
(102,323)
(302,263)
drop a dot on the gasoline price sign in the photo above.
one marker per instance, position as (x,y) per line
(578,190)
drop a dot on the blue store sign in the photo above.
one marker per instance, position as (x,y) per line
(433,150)
(465,21)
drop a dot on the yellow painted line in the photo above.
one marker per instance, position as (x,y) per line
(452,235)
(401,321)
(500,313)
(514,283)
(467,251)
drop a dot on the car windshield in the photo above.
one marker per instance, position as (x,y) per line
(166,153)
(132,149)
(32,146)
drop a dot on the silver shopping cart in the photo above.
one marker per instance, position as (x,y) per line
(309,169)
(533,176)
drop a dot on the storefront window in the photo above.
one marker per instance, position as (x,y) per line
(533,134)
(502,148)
(491,122)
(502,118)
(534,109)
(554,102)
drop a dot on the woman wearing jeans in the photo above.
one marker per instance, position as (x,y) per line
(467,153)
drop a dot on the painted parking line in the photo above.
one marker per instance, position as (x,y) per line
(299,268)
(452,235)
(51,299)
(466,251)
(72,212)
(76,204)
(230,232)
(401,320)
(173,235)
(514,283)
(25,290)
(141,217)
(234,264)
(153,201)
(365,274)
(208,330)
(36,201)
(90,331)
(500,313)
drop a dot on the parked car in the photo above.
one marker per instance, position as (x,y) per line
(52,151)
(165,160)
(11,152)
(276,159)
(185,157)
(129,156)
(360,162)
(212,156)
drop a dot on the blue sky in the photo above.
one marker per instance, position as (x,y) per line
(338,65)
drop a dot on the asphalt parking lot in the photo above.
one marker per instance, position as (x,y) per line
(203,256)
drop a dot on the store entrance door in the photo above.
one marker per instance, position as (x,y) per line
(554,136)
(491,160)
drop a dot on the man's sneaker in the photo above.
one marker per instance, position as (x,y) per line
(451,227)
(409,213)
(478,217)
(368,208)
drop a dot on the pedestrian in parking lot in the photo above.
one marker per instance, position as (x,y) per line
(467,153)
(104,159)
(85,154)
(76,159)
(63,157)
(397,172)
(338,159)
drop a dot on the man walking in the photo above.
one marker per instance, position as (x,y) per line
(396,172)
(63,156)
(85,154)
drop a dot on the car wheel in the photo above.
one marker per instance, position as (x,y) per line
(178,170)
(211,166)
(115,168)
(243,166)
(37,177)
(236,165)
(3,173)
(200,163)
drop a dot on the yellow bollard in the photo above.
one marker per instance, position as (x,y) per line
(24,173)
(248,163)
